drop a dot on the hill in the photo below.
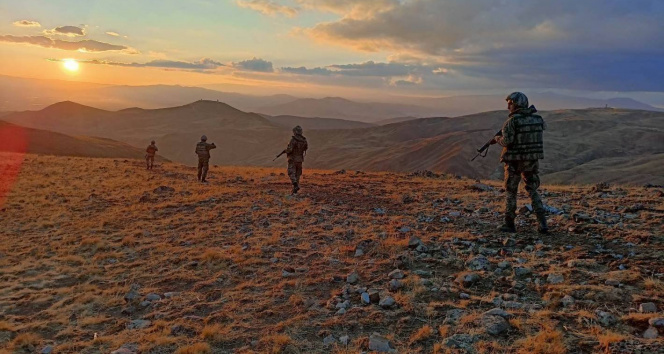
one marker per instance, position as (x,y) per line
(317,123)
(15,138)
(154,262)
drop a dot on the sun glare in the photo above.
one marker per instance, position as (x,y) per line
(70,64)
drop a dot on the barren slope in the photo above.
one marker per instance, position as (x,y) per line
(157,263)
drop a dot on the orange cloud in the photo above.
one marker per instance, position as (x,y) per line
(81,46)
(27,23)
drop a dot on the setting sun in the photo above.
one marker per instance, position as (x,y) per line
(70,64)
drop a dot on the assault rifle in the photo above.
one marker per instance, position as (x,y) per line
(485,148)
(283,152)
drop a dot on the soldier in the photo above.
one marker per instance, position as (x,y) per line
(203,152)
(149,156)
(522,149)
(296,150)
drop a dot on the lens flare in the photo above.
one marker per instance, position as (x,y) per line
(70,64)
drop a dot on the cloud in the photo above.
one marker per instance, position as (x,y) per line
(255,64)
(268,7)
(81,46)
(304,71)
(350,8)
(113,34)
(203,64)
(27,23)
(70,31)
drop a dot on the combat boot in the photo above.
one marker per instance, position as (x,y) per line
(508,226)
(296,187)
(541,224)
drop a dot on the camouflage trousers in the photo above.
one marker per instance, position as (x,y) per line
(149,160)
(203,167)
(294,172)
(514,172)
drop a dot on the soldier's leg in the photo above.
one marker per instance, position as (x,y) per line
(298,172)
(147,162)
(512,179)
(151,161)
(206,167)
(532,182)
(292,174)
(200,168)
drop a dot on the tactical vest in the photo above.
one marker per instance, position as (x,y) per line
(151,150)
(202,149)
(528,142)
(299,146)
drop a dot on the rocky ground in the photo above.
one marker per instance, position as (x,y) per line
(100,255)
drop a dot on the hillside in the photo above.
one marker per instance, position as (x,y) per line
(15,138)
(317,123)
(112,256)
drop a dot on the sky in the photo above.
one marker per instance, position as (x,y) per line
(344,47)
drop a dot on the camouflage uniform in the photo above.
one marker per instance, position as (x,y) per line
(295,152)
(523,147)
(149,156)
(203,152)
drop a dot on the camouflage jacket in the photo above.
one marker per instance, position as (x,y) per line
(522,136)
(296,148)
(203,149)
(151,150)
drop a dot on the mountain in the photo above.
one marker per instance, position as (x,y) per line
(14,138)
(395,120)
(337,107)
(316,123)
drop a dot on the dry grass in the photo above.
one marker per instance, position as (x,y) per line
(547,340)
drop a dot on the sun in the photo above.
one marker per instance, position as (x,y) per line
(70,64)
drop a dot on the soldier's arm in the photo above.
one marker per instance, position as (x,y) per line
(212,146)
(289,148)
(508,134)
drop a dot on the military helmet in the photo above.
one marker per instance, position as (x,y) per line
(519,99)
(297,130)
(204,138)
(152,142)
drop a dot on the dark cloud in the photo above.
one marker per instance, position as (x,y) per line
(27,23)
(304,71)
(255,64)
(70,31)
(203,64)
(83,46)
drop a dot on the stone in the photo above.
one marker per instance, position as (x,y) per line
(555,278)
(479,263)
(138,324)
(145,303)
(359,252)
(171,294)
(152,297)
(469,279)
(650,333)
(387,302)
(341,311)
(422,249)
(422,273)
(374,296)
(365,299)
(395,284)
(648,307)
(498,312)
(414,242)
(452,316)
(481,187)
(287,274)
(606,319)
(494,325)
(464,296)
(504,265)
(133,295)
(126,349)
(656,322)
(380,344)
(509,242)
(522,271)
(461,341)
(426,282)
(513,305)
(396,274)
(567,301)
(353,277)
(344,340)
(329,340)
(612,282)
(47,350)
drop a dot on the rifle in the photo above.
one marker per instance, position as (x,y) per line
(485,148)
(283,152)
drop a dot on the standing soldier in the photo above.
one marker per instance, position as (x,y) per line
(149,156)
(203,152)
(523,147)
(296,150)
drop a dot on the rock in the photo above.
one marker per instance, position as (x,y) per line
(481,187)
(126,349)
(395,284)
(47,350)
(365,299)
(650,333)
(379,211)
(452,316)
(468,279)
(343,305)
(513,305)
(329,340)
(504,265)
(145,303)
(414,242)
(359,252)
(287,274)
(422,249)
(344,340)
(426,282)
(171,294)
(461,341)
(479,263)
(509,242)
(656,322)
(133,295)
(138,324)
(464,296)
(405,229)
(374,296)
(396,274)
(422,273)
(353,277)
(387,302)
(555,278)
(606,319)
(522,271)
(498,312)
(152,297)
(612,282)
(567,301)
(454,214)
(494,325)
(341,311)
(648,307)
(380,344)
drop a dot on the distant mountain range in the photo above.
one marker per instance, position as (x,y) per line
(582,145)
